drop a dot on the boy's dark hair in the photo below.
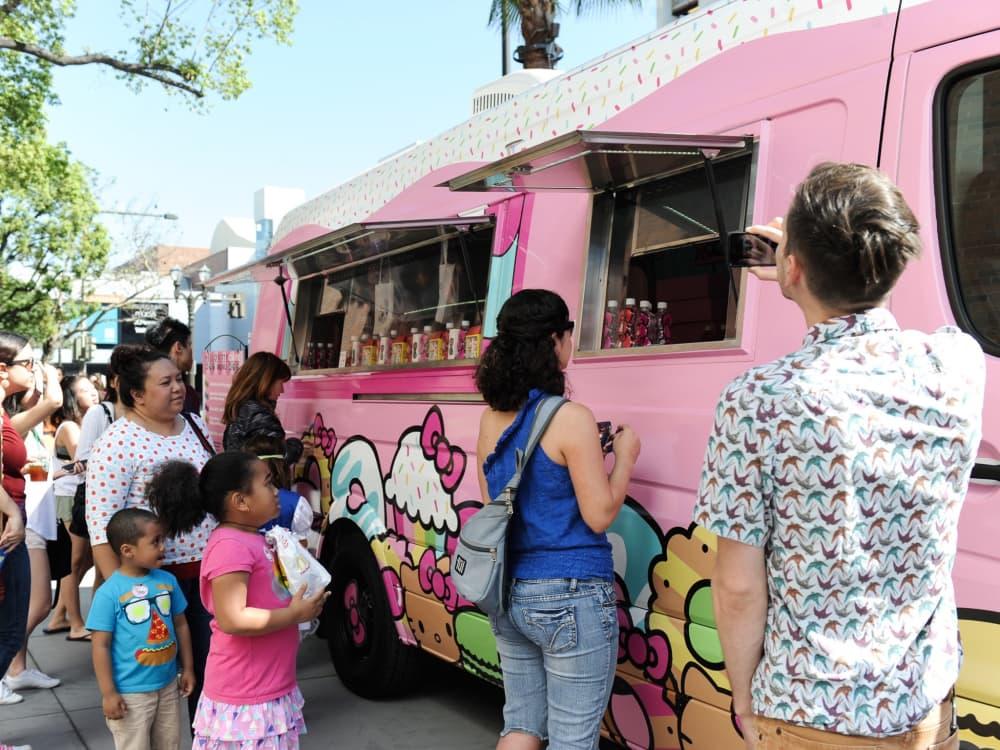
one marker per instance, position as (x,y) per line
(166,333)
(127,526)
(131,364)
(523,355)
(854,233)
(181,496)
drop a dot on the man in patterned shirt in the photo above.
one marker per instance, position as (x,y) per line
(834,478)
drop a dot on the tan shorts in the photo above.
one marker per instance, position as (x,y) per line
(153,720)
(34,540)
(64,508)
(933,733)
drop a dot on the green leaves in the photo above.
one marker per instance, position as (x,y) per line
(49,238)
(48,235)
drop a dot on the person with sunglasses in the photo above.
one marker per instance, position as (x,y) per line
(11,536)
(558,638)
(35,389)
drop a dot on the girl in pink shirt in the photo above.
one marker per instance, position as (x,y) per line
(250,698)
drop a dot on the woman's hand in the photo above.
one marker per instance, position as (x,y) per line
(53,390)
(626,444)
(307,609)
(13,532)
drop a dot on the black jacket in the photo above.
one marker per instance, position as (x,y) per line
(253,418)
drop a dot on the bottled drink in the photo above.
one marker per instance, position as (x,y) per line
(626,324)
(416,344)
(642,322)
(609,334)
(384,349)
(309,358)
(655,331)
(461,351)
(369,350)
(666,321)
(400,348)
(434,341)
(354,358)
(451,334)
(473,341)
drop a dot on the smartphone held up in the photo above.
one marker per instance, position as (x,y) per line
(746,250)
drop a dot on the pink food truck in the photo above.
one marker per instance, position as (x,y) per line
(611,185)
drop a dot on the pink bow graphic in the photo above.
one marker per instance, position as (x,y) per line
(649,652)
(434,581)
(448,460)
(326,438)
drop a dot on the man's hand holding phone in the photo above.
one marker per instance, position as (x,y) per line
(774,230)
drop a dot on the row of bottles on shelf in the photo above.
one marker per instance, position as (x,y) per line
(421,345)
(632,327)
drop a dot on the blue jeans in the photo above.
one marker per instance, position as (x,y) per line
(558,645)
(16,574)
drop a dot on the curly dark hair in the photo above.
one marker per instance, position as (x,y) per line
(523,356)
(181,497)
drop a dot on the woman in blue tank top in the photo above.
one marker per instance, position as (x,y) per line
(558,641)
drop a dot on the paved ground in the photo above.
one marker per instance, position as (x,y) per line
(450,711)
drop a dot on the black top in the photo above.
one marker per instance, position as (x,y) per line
(253,418)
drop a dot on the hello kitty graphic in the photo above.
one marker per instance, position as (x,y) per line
(426,470)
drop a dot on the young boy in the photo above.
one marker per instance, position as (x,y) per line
(138,625)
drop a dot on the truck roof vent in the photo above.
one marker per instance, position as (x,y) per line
(503,89)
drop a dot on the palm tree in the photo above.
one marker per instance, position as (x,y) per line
(538,25)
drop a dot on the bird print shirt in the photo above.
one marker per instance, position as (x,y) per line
(848,461)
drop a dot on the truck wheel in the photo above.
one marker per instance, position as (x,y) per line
(365,648)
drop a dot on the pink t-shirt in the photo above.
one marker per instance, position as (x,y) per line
(244,670)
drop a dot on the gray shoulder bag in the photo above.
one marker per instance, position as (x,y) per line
(478,565)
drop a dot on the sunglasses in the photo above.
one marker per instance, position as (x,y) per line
(27,364)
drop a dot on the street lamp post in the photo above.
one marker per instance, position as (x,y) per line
(167,216)
(189,296)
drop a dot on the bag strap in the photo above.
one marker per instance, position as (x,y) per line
(197,431)
(544,413)
(107,412)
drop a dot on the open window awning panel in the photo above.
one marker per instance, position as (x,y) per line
(351,244)
(595,161)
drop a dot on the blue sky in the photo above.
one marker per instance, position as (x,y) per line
(361,80)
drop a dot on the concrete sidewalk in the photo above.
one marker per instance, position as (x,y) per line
(449,710)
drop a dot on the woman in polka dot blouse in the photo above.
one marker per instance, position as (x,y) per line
(126,456)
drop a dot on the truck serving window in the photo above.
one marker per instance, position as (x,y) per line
(654,233)
(655,256)
(391,297)
(969,184)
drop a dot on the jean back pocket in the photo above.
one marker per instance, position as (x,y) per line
(553,629)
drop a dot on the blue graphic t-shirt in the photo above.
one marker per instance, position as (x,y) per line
(139,614)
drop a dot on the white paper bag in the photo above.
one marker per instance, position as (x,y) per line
(40,508)
(448,292)
(385,297)
(295,565)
